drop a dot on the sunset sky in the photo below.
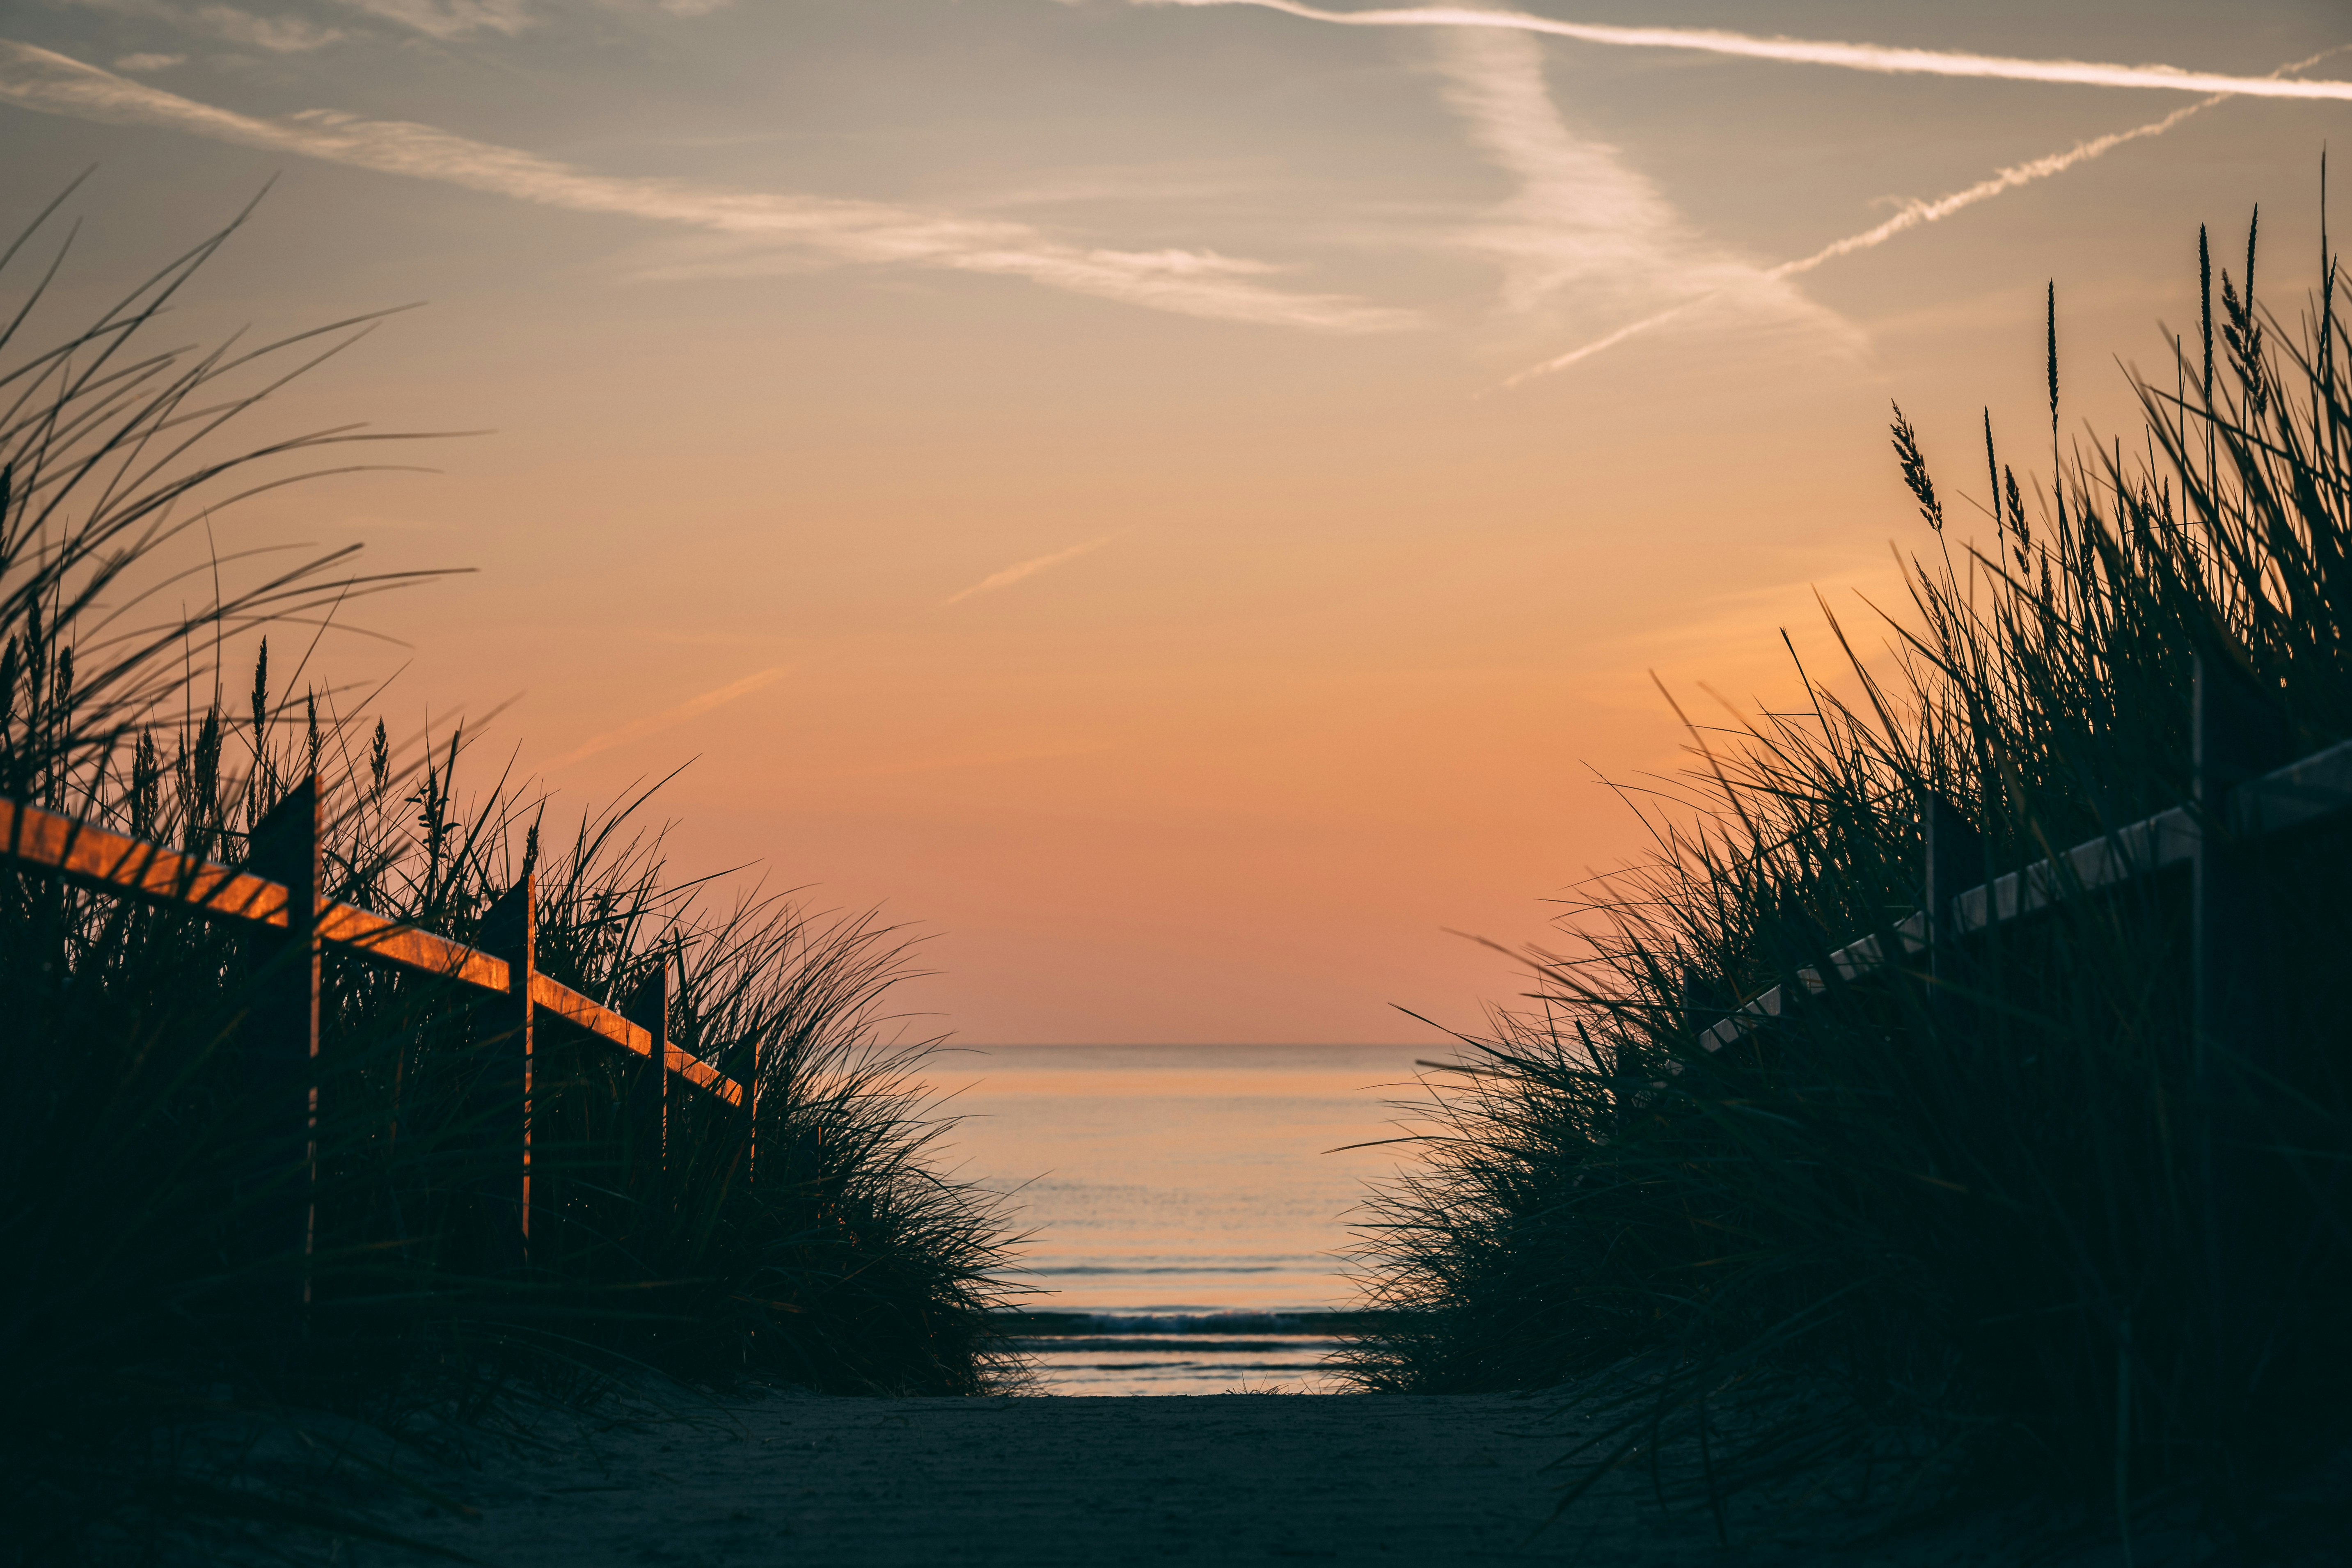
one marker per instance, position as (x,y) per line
(1115,484)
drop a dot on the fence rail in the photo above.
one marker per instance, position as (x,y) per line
(94,857)
(275,896)
(2237,805)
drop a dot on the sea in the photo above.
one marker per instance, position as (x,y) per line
(1188,1206)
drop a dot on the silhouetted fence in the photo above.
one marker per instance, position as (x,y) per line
(2243,795)
(277,896)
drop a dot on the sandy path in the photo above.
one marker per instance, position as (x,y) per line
(805,1479)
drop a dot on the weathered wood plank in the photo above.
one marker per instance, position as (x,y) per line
(2307,791)
(592,1016)
(696,1071)
(587,1014)
(2317,786)
(113,863)
(406,947)
(109,861)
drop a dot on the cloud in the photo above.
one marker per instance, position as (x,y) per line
(282,35)
(1603,344)
(1585,226)
(1915,214)
(449,18)
(1190,283)
(1012,574)
(1912,215)
(693,708)
(289,34)
(277,35)
(1873,58)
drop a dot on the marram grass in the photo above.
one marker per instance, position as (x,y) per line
(808,1241)
(1956,1231)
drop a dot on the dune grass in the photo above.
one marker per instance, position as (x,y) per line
(801,1237)
(1954,1226)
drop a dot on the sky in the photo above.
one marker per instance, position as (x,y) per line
(1189,507)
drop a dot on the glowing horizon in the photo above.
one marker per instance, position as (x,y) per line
(1180,502)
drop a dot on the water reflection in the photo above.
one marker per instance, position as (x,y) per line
(1180,1183)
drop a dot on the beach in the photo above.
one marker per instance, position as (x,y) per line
(1046,1481)
(781,1476)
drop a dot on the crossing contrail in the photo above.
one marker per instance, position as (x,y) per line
(1915,213)
(1012,574)
(1876,57)
(654,723)
(1912,216)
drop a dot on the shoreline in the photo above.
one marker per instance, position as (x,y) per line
(764,1476)
(1238,1320)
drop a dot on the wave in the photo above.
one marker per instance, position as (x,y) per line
(1092,1324)
(1223,1369)
(1097,1269)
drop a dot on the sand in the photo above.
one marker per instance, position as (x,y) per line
(808,1479)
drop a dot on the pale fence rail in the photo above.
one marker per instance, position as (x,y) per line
(277,896)
(2242,796)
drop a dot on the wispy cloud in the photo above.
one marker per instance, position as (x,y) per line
(961,763)
(277,35)
(669,717)
(1585,226)
(1186,283)
(449,18)
(1915,213)
(149,62)
(1012,574)
(1911,216)
(1603,344)
(1878,59)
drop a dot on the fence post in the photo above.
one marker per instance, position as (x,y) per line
(648,1007)
(1702,1004)
(283,1048)
(509,930)
(1956,862)
(2236,736)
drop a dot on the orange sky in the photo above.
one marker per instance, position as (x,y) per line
(1211,311)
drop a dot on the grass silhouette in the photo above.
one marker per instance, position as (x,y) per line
(801,1237)
(1958,1223)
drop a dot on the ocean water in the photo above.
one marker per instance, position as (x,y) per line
(1189,1202)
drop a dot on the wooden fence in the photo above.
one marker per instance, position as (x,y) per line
(277,896)
(2242,796)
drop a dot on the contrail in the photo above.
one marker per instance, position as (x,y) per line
(1912,216)
(654,723)
(1012,574)
(1601,345)
(1876,57)
(1192,283)
(1916,213)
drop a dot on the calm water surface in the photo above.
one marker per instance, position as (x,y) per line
(1186,1200)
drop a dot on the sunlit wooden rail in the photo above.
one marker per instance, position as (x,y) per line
(277,896)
